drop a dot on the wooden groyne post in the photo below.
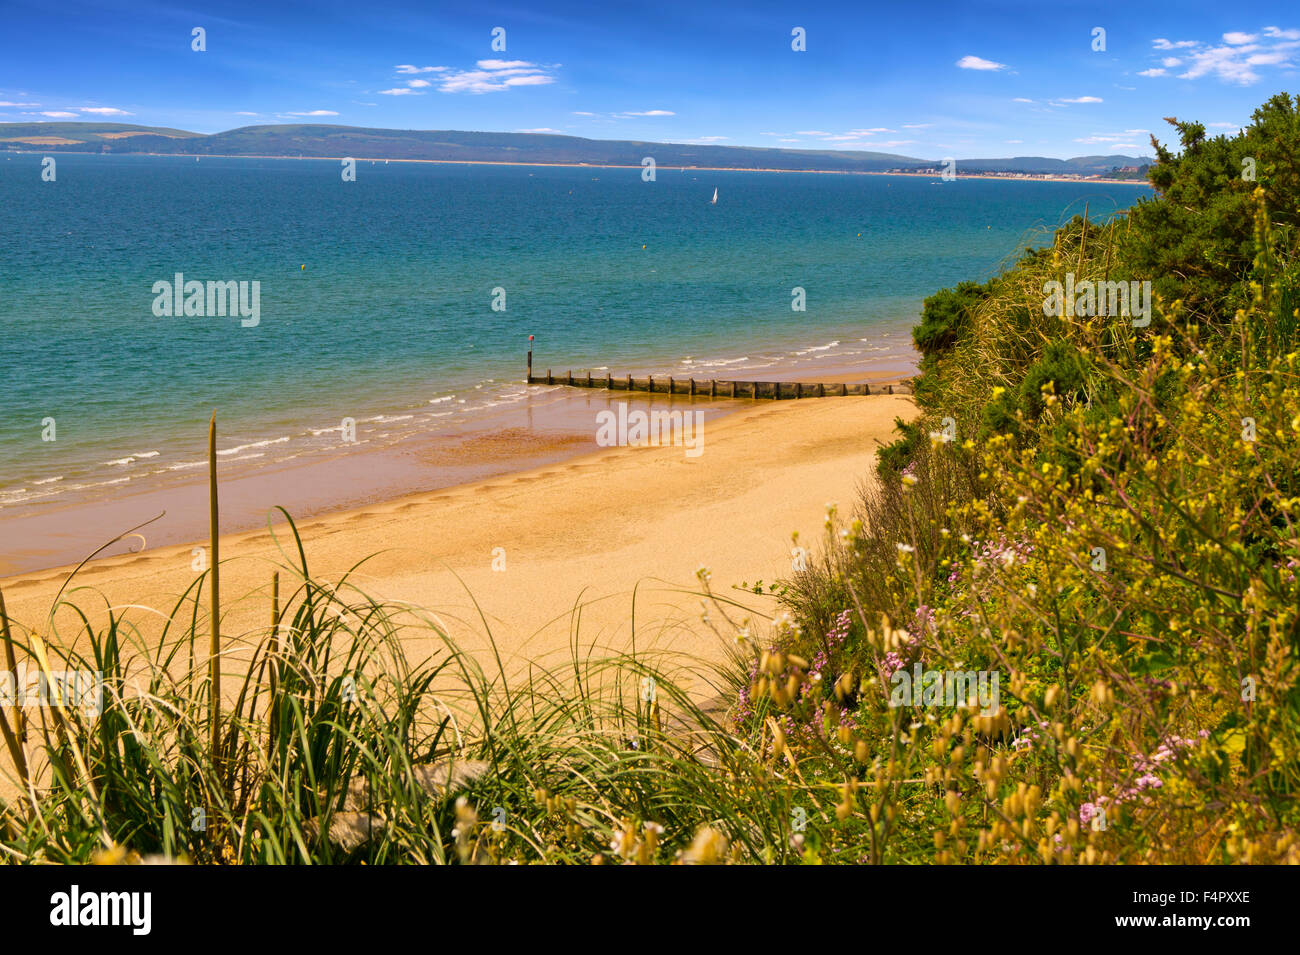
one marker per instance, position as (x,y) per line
(715,388)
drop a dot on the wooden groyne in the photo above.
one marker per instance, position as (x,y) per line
(712,387)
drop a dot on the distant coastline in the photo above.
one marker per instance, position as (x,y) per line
(1010,177)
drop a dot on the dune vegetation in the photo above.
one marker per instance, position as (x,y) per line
(1093,523)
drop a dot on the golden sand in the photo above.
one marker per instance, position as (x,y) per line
(526,549)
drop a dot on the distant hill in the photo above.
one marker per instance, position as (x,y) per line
(79,135)
(1040,164)
(461,146)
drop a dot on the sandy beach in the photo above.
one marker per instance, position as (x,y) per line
(527,549)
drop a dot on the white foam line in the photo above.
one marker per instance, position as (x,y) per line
(254,444)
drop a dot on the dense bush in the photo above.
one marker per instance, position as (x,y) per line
(1112,532)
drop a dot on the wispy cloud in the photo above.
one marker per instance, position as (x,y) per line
(488,76)
(1235,58)
(1113,140)
(23,105)
(315,112)
(104,111)
(1081,99)
(979,63)
(649,112)
(59,114)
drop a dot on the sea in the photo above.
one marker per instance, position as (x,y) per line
(400,303)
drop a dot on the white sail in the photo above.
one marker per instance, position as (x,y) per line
(715,196)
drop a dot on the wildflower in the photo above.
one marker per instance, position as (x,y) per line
(709,847)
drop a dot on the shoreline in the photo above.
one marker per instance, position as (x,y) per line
(550,425)
(602,534)
(1030,177)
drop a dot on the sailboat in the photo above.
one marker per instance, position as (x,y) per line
(714,200)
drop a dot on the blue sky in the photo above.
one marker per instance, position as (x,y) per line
(933,79)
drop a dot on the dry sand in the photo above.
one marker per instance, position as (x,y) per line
(585,532)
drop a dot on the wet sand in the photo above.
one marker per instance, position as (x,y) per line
(526,548)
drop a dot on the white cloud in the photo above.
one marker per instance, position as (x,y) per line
(104,111)
(315,112)
(25,105)
(488,76)
(1234,59)
(1014,142)
(244,113)
(810,132)
(582,112)
(493,76)
(1228,63)
(978,63)
(59,114)
(1083,99)
(1112,140)
(541,129)
(532,80)
(917,125)
(651,112)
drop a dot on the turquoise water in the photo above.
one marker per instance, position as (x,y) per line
(391,322)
